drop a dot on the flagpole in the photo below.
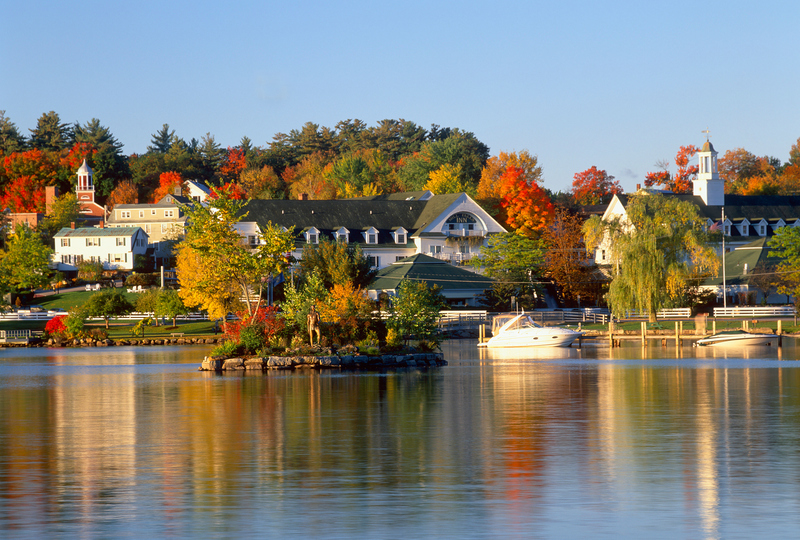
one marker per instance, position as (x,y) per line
(724,286)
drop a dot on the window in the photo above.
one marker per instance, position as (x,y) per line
(125,214)
(603,255)
(763,230)
(727,230)
(401,238)
(65,242)
(252,240)
(147,228)
(312,238)
(374,260)
(141,213)
(169,213)
(398,257)
(153,212)
(436,249)
(372,238)
(120,241)
(92,241)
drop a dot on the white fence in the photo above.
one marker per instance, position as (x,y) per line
(755,312)
(675,313)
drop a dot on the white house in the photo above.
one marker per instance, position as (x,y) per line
(450,227)
(116,248)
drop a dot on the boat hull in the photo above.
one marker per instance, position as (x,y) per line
(738,340)
(529,339)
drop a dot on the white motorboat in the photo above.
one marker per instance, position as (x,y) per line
(737,338)
(520,330)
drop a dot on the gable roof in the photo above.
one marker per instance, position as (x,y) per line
(738,207)
(433,271)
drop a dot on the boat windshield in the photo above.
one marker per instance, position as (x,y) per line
(513,322)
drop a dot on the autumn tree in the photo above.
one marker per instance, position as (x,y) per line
(262,183)
(658,250)
(594,186)
(681,181)
(126,192)
(565,257)
(458,149)
(496,166)
(232,165)
(308,177)
(527,207)
(217,270)
(170,183)
(447,179)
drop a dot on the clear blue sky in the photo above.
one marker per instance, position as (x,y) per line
(615,84)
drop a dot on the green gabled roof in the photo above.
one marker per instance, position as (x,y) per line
(433,271)
(83,232)
(750,255)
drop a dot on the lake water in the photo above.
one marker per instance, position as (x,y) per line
(591,443)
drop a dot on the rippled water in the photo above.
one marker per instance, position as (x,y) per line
(591,443)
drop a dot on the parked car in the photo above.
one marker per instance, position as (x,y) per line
(35,308)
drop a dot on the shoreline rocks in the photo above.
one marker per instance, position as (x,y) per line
(356,361)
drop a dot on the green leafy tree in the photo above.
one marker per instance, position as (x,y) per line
(515,261)
(300,298)
(659,251)
(146,302)
(65,210)
(90,271)
(786,246)
(217,269)
(415,311)
(170,304)
(106,304)
(25,263)
(337,263)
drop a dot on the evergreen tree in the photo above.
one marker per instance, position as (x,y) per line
(161,140)
(50,133)
(109,164)
(10,138)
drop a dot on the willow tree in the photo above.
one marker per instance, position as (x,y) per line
(658,248)
(220,272)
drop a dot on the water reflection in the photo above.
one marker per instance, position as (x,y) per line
(560,443)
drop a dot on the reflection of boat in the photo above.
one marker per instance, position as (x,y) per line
(520,330)
(737,338)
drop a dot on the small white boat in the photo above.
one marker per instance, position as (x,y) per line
(737,338)
(520,330)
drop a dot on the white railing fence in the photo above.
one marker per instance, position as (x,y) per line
(755,311)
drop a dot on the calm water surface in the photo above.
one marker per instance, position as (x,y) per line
(591,443)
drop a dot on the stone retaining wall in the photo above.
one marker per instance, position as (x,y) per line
(216,363)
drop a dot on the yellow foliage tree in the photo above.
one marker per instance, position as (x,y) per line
(446,179)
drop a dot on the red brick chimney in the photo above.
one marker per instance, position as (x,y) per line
(50,196)
(101,225)
(304,196)
(71,224)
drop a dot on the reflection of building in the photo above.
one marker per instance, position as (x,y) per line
(388,228)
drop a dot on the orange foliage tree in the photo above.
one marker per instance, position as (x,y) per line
(169,182)
(527,207)
(594,186)
(681,182)
(126,192)
(229,191)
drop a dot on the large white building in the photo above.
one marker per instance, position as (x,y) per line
(450,227)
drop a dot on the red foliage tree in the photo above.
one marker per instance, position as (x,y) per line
(56,325)
(594,186)
(682,181)
(169,183)
(527,206)
(25,194)
(233,165)
(231,190)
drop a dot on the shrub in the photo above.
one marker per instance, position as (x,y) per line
(257,331)
(226,348)
(56,326)
(146,280)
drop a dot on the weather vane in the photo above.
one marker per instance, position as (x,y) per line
(707,132)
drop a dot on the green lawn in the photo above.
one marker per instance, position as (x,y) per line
(69,300)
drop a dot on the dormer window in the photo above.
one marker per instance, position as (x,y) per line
(312,236)
(400,236)
(371,236)
(342,235)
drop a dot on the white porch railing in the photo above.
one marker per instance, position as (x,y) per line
(674,313)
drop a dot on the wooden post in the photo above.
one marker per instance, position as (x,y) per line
(779,326)
(713,327)
(644,332)
(677,334)
(611,332)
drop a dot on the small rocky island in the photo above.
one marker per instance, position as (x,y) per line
(335,361)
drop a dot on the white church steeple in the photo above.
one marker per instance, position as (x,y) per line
(708,185)
(85,188)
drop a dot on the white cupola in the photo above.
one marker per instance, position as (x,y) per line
(708,185)
(85,187)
